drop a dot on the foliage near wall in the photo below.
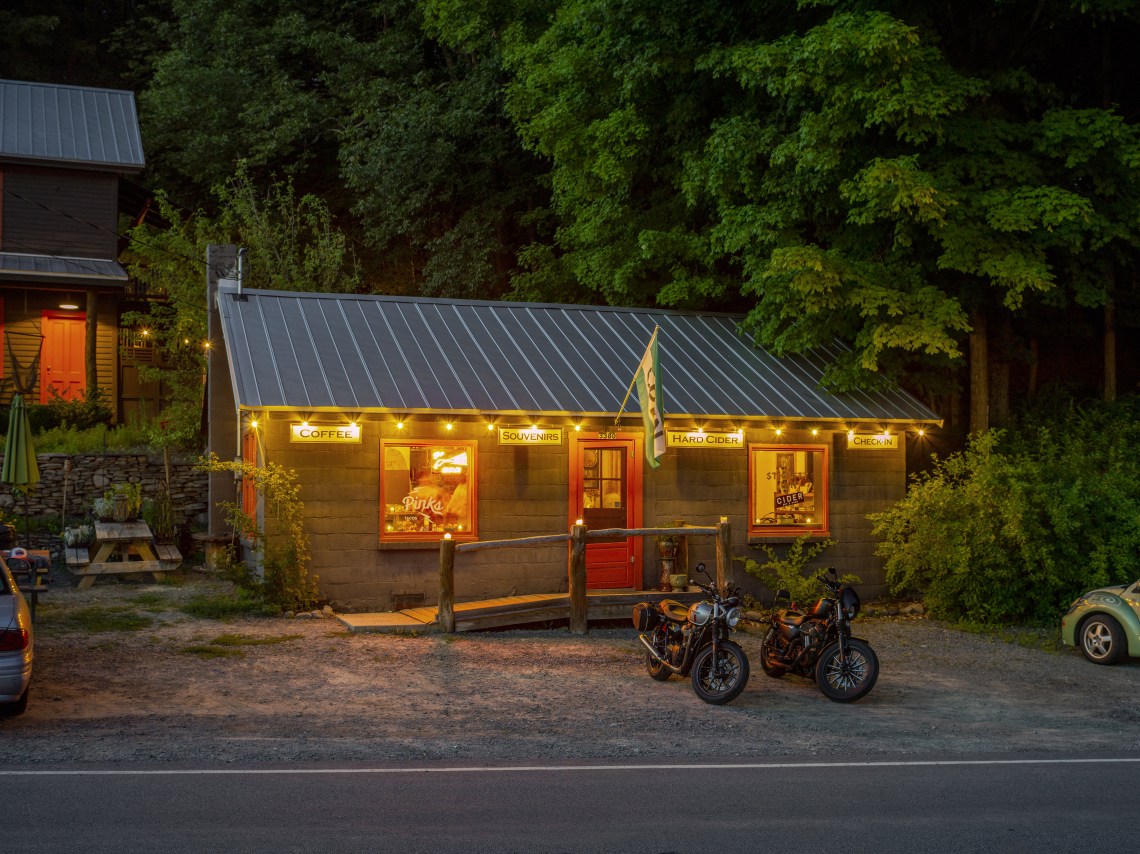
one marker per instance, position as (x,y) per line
(282,543)
(1022,521)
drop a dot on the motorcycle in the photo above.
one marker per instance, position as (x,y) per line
(819,644)
(694,641)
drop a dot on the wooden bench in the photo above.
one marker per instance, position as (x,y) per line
(77,556)
(168,555)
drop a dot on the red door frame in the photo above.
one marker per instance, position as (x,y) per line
(48,363)
(631,443)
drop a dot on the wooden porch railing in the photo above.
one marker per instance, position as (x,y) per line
(576,569)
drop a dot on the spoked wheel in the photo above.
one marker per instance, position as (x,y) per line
(1102,639)
(720,679)
(845,679)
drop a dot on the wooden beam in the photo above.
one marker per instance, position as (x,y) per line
(579,617)
(447,586)
(724,577)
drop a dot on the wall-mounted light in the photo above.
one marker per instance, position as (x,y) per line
(399,425)
(448,426)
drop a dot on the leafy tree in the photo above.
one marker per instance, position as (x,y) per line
(292,245)
(1021,522)
(880,173)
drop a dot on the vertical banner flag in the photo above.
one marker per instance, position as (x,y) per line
(649,393)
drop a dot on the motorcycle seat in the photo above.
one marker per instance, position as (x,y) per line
(794,618)
(673,611)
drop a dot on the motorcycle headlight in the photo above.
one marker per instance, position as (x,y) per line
(732,617)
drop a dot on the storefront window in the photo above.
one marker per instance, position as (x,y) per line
(787,489)
(426,489)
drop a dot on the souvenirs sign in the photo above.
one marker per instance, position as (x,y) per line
(347,433)
(530,435)
(701,439)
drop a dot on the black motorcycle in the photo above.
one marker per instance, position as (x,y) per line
(694,641)
(818,644)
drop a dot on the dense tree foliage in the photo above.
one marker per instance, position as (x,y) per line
(905,177)
(1022,522)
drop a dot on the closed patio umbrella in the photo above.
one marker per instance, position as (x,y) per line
(20,467)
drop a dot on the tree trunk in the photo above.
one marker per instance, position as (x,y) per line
(1031,389)
(999,374)
(1110,351)
(979,374)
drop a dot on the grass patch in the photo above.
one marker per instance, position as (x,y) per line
(1030,637)
(246,640)
(223,606)
(207,650)
(229,646)
(98,618)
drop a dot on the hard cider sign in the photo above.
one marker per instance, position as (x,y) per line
(701,439)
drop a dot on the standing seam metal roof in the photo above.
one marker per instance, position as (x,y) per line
(72,125)
(312,352)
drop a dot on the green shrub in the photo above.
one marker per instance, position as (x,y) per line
(1022,521)
(791,572)
(80,413)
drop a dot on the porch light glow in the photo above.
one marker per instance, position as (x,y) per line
(814,431)
(490,426)
(578,428)
(69,304)
(399,425)
(253,423)
(447,536)
(921,432)
(779,431)
(448,426)
(577,521)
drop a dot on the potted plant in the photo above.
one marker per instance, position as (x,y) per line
(78,535)
(126,501)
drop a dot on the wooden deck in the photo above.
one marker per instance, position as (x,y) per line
(513,611)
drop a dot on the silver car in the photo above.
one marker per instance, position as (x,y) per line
(15,645)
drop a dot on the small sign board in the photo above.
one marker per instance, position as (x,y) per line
(530,435)
(872,441)
(341,433)
(789,499)
(702,439)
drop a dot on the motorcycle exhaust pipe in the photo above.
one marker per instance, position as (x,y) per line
(654,653)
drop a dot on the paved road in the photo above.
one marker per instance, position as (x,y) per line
(1041,804)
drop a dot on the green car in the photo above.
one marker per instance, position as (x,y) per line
(1105,623)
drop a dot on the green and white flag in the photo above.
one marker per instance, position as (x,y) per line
(649,393)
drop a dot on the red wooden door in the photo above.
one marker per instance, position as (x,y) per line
(605,492)
(62,364)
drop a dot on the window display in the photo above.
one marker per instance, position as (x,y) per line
(426,489)
(787,489)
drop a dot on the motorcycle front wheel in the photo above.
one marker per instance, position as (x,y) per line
(720,679)
(845,680)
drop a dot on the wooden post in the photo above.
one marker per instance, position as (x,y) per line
(682,549)
(577,580)
(723,555)
(447,585)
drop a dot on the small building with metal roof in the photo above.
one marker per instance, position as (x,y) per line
(409,419)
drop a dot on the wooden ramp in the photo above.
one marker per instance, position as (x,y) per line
(513,611)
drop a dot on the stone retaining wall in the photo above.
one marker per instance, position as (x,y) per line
(90,475)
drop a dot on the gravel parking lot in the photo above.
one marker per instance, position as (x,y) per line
(197,692)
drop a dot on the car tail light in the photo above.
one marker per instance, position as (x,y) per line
(13,640)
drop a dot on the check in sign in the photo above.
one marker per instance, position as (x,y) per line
(347,433)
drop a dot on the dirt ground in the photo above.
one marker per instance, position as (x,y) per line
(197,692)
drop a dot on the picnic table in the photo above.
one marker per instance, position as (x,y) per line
(123,547)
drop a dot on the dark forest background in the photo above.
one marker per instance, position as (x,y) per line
(951,189)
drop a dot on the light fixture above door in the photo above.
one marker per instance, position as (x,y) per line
(69,304)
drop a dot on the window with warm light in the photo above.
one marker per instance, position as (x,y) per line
(427,489)
(787,489)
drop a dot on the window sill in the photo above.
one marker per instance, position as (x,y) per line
(418,545)
(780,537)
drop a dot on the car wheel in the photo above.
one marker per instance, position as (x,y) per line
(1102,639)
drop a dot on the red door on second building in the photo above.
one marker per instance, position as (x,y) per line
(605,492)
(62,361)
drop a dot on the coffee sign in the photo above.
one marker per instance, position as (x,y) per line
(346,433)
